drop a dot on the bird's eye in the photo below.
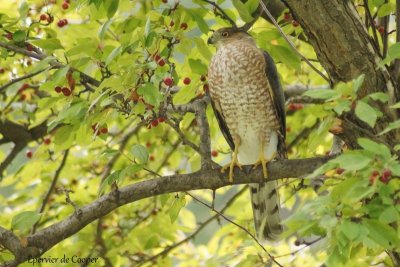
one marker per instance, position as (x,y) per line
(225,34)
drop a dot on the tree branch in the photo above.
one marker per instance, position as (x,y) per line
(46,238)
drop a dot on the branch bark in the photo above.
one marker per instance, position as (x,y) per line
(46,238)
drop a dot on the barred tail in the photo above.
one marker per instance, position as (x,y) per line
(266,208)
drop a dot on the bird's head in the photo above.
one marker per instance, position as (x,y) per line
(225,35)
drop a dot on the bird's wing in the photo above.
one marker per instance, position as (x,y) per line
(278,99)
(221,122)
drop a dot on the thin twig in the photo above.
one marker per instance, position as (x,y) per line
(222,12)
(291,43)
(54,63)
(51,188)
(238,225)
(372,24)
(22,78)
(182,136)
(300,249)
(195,233)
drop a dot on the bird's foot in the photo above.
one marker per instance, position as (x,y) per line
(231,166)
(263,161)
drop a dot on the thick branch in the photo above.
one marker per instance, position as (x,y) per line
(46,238)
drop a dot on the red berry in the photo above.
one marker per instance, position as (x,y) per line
(339,170)
(65,5)
(66,91)
(9,36)
(295,23)
(29,154)
(172,23)
(104,130)
(384,179)
(186,80)
(161,62)
(375,173)
(168,81)
(65,21)
(165,1)
(161,119)
(94,126)
(154,123)
(381,29)
(2,70)
(148,144)
(58,89)
(214,153)
(157,57)
(50,19)
(151,158)
(203,78)
(43,17)
(60,23)
(47,141)
(29,47)
(184,26)
(287,16)
(206,88)
(292,106)
(299,106)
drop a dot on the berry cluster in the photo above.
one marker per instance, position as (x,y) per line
(65,90)
(98,131)
(384,177)
(155,122)
(22,95)
(295,106)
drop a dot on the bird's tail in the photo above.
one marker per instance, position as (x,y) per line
(266,209)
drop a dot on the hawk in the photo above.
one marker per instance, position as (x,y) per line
(249,105)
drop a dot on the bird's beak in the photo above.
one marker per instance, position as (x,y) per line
(210,41)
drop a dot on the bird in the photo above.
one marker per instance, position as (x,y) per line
(249,105)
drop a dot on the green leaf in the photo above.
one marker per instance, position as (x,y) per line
(25,220)
(140,153)
(64,137)
(391,126)
(352,160)
(386,9)
(177,205)
(203,26)
(382,234)
(251,6)
(287,56)
(358,82)
(379,96)
(147,27)
(389,215)
(366,113)
(322,94)
(111,7)
(115,53)
(19,36)
(104,28)
(203,48)
(150,94)
(60,75)
(375,148)
(130,170)
(397,105)
(242,10)
(350,230)
(113,177)
(197,66)
(48,44)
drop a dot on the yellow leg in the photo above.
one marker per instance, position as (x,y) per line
(263,161)
(234,162)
